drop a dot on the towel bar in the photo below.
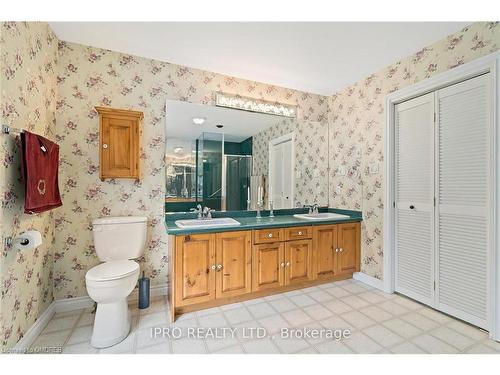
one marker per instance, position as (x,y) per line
(7,130)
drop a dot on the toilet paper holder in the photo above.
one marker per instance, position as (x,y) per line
(9,241)
(26,240)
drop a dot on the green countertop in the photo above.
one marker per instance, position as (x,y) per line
(248,220)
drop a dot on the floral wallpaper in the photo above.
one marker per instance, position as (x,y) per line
(311,158)
(90,76)
(52,88)
(356,121)
(28,79)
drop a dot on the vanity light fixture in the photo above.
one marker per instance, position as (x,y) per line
(198,120)
(254,105)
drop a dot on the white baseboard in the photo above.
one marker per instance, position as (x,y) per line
(34,331)
(369,280)
(71,304)
(154,291)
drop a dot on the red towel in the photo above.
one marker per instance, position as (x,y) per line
(39,166)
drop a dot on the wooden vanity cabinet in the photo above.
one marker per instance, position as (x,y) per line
(194,270)
(218,268)
(324,244)
(270,235)
(119,143)
(348,244)
(298,262)
(337,250)
(233,275)
(268,269)
(214,265)
(286,261)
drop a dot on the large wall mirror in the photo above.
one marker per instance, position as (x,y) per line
(226,158)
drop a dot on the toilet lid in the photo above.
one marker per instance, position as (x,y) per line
(112,270)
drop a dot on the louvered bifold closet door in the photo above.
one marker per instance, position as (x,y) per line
(462,193)
(414,151)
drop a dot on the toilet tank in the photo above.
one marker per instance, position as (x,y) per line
(119,238)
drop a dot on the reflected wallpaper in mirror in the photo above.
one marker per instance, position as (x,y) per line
(224,158)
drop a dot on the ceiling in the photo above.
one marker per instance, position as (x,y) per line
(237,125)
(314,57)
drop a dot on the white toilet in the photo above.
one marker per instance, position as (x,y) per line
(117,240)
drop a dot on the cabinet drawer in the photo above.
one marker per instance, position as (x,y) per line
(268,235)
(298,233)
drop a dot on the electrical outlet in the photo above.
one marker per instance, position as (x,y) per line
(373,168)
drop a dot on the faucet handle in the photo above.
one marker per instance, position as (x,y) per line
(198,210)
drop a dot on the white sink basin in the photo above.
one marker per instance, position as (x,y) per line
(209,223)
(321,216)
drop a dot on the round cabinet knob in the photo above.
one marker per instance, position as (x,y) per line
(219,266)
(104,146)
(270,235)
(282,264)
(341,249)
(300,233)
(288,264)
(213,267)
(336,250)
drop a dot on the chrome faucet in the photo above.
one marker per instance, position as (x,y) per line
(206,214)
(314,209)
(198,210)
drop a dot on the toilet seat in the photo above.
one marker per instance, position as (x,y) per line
(113,270)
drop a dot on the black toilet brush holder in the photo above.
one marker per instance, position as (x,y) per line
(143,292)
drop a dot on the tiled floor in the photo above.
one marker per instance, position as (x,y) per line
(379,323)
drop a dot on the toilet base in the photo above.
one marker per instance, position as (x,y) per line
(111,324)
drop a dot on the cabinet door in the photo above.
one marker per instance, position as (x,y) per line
(234,263)
(268,270)
(298,261)
(348,248)
(119,143)
(194,269)
(324,244)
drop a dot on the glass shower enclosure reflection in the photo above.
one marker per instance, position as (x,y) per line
(238,169)
(224,169)
(211,148)
(210,171)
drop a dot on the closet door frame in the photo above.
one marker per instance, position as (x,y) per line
(487,64)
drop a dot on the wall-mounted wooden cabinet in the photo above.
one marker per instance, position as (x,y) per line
(119,143)
(218,268)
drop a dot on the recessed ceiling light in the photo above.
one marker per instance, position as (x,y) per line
(178,150)
(198,120)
